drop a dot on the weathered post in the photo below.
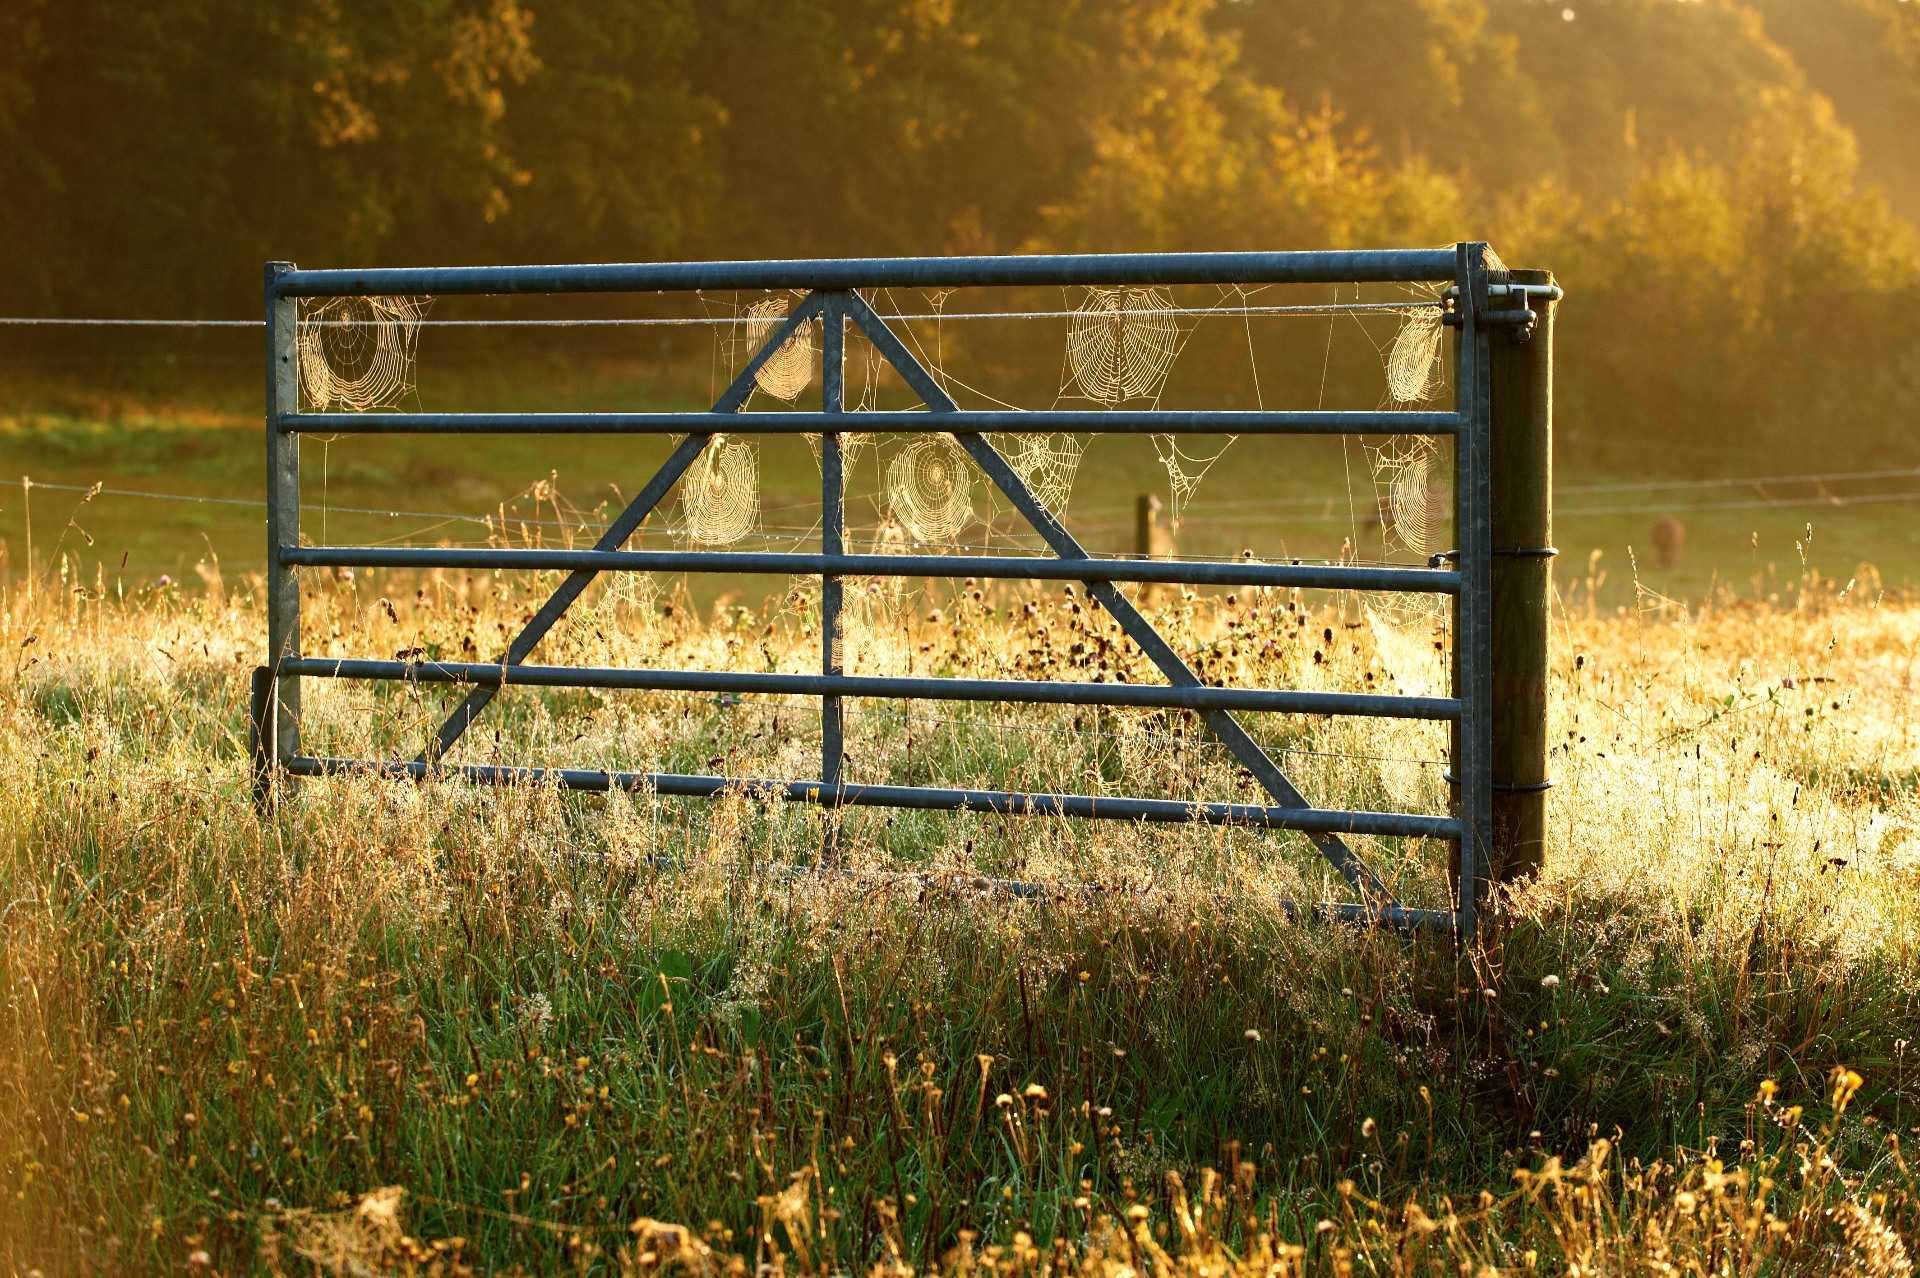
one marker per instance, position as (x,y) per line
(1146,525)
(282,714)
(1521,455)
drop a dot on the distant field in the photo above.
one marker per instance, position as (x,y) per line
(1275,497)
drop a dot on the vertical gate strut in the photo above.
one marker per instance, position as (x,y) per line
(832,542)
(1473,604)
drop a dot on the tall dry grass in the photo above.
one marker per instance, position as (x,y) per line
(224,1034)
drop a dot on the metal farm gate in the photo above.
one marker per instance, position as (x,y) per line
(1495,378)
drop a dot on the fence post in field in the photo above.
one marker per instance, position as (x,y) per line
(1146,525)
(1521,456)
(282,714)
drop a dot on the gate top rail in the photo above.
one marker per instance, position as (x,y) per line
(1344,266)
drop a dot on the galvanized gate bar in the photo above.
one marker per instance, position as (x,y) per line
(1348,266)
(618,531)
(1119,421)
(1194,696)
(1192,572)
(1236,738)
(1005,802)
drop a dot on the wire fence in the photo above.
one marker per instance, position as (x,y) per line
(1279,509)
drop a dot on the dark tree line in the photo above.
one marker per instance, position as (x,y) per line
(1733,161)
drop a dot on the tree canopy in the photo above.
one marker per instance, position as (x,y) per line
(1731,157)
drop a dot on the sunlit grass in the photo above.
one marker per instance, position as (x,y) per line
(223,1034)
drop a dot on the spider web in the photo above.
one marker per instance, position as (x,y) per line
(1121,344)
(720,493)
(1412,491)
(357,353)
(930,489)
(790,369)
(1414,369)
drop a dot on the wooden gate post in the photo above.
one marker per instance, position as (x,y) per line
(1521,456)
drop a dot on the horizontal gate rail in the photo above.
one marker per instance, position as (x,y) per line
(832,299)
(1355,266)
(1191,572)
(1037,691)
(1120,421)
(933,798)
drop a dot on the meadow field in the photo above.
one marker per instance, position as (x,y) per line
(352,1025)
(389,1028)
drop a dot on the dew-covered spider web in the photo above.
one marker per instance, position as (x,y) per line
(357,353)
(790,369)
(1414,369)
(1412,487)
(720,493)
(1121,344)
(930,489)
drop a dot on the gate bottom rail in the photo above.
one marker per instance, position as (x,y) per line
(925,798)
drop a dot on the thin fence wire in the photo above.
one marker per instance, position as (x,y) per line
(1831,500)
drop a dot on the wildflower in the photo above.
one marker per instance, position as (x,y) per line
(1767,1088)
(1549,981)
(533,1012)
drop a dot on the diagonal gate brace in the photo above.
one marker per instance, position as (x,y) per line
(1235,737)
(617,532)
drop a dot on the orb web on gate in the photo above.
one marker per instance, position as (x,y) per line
(356,353)
(1412,503)
(1414,370)
(1046,464)
(1413,509)
(930,489)
(789,370)
(1121,343)
(720,494)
